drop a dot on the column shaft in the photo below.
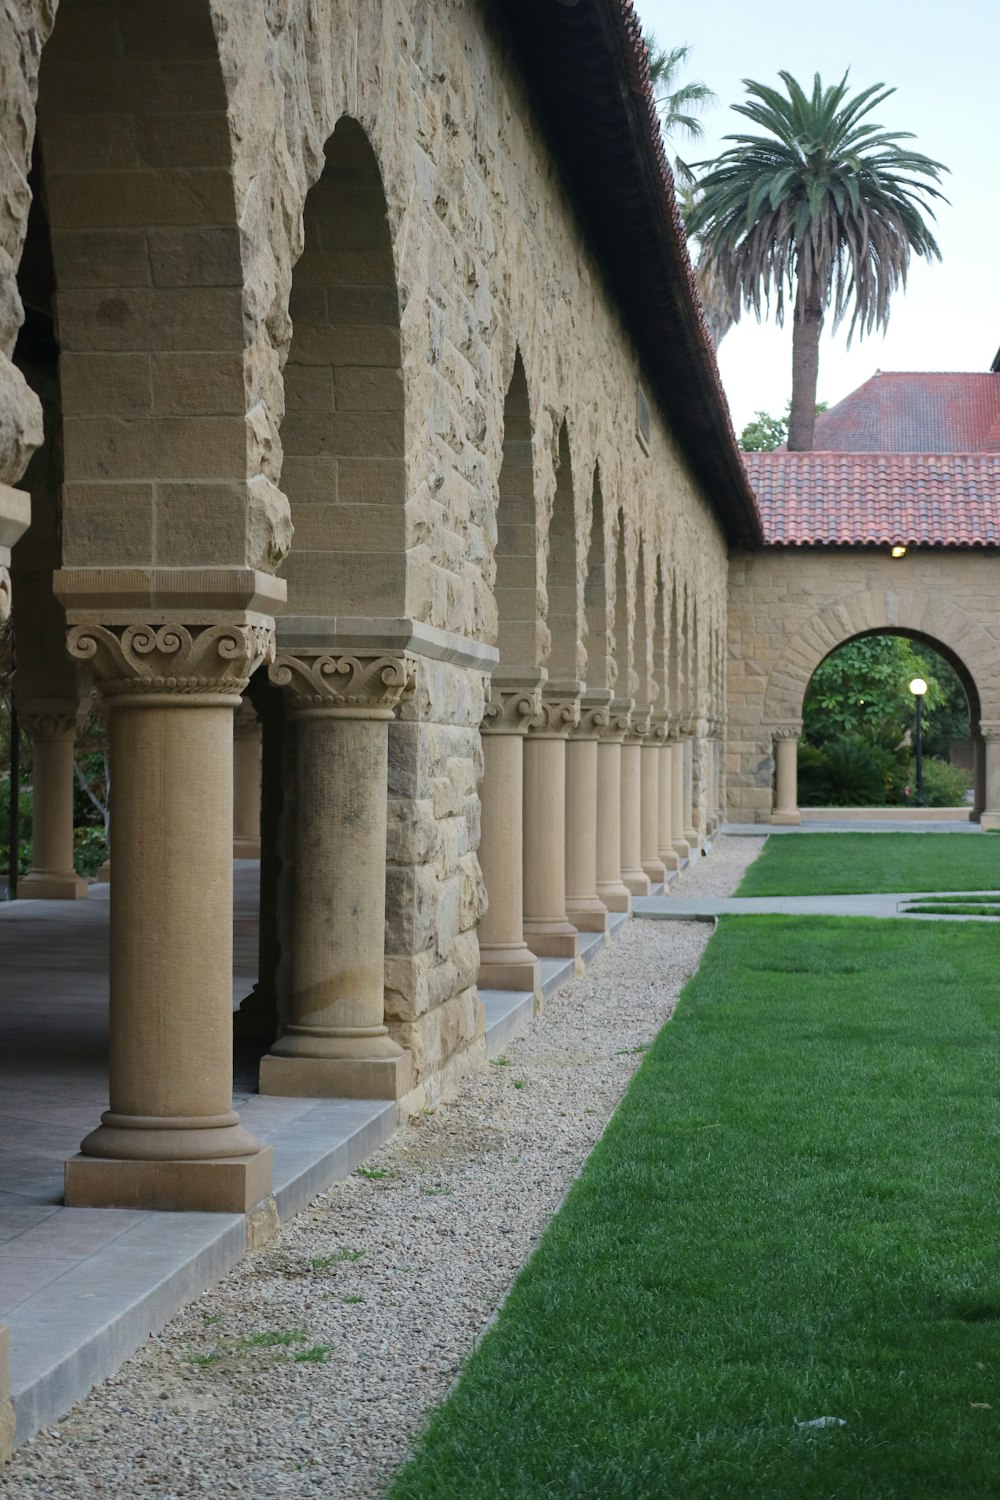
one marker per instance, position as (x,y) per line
(334,1041)
(52,876)
(633,875)
(691,831)
(611,889)
(665,848)
(786,800)
(681,845)
(991,813)
(652,864)
(547,929)
(584,908)
(246,788)
(505,962)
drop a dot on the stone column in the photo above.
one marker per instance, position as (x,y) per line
(978,776)
(786,773)
(171,1138)
(257,1018)
(246,783)
(15,513)
(711,822)
(333,1041)
(611,889)
(584,907)
(505,961)
(990,818)
(652,746)
(633,875)
(51,727)
(665,844)
(547,929)
(681,846)
(689,827)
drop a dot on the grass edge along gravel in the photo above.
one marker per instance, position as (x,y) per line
(850,864)
(788,1222)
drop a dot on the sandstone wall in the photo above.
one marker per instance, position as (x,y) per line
(790,607)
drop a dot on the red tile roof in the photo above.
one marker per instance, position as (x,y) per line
(861,499)
(907,412)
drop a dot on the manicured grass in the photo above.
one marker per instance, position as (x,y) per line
(954,909)
(846,864)
(793,1215)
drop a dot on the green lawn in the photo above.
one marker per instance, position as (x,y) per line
(792,1216)
(846,864)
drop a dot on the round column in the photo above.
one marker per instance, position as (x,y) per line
(51,727)
(786,774)
(171,1138)
(547,929)
(664,802)
(611,889)
(246,783)
(990,818)
(688,827)
(505,961)
(584,908)
(333,1040)
(681,846)
(652,864)
(633,875)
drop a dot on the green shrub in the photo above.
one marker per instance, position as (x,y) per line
(89,850)
(944,785)
(847,773)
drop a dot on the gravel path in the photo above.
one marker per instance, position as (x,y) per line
(308,1371)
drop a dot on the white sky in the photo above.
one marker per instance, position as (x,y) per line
(943,59)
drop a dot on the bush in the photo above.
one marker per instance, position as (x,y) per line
(944,785)
(847,773)
(89,850)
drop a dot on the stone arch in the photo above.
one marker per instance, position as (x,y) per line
(164,470)
(601,669)
(621,633)
(660,641)
(642,649)
(924,616)
(562,574)
(343,431)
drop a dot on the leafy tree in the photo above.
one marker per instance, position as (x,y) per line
(825,206)
(766,433)
(863,689)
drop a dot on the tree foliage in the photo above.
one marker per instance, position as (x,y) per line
(824,207)
(765,433)
(864,689)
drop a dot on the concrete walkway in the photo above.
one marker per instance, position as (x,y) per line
(851,825)
(897,904)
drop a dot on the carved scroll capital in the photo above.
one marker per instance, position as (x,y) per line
(619,718)
(659,730)
(788,731)
(5,595)
(184,665)
(344,684)
(990,730)
(50,719)
(595,717)
(246,725)
(639,724)
(510,710)
(556,720)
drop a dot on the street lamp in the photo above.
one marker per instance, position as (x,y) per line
(918,688)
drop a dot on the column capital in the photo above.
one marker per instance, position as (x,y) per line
(189,666)
(511,707)
(990,729)
(639,724)
(790,730)
(619,717)
(558,716)
(15,513)
(51,718)
(595,715)
(659,728)
(687,727)
(344,684)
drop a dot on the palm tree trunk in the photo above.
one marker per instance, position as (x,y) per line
(806,329)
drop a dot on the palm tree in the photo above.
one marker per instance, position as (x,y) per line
(828,206)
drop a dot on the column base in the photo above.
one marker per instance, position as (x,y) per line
(693,839)
(670,860)
(560,940)
(656,870)
(336,1077)
(222,1185)
(990,821)
(589,915)
(42,886)
(616,897)
(683,851)
(246,848)
(637,884)
(525,976)
(788,819)
(103,876)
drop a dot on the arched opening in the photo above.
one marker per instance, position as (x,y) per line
(601,669)
(562,576)
(621,633)
(343,430)
(860,725)
(522,637)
